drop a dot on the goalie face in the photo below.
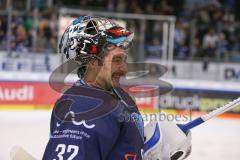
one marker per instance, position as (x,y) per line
(107,73)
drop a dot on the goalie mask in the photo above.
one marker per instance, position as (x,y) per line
(87,37)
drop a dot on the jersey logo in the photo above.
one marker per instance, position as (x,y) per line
(78,123)
(75,122)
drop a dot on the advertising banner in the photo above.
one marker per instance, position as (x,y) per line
(26,93)
(39,95)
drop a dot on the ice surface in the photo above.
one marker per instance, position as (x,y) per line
(217,139)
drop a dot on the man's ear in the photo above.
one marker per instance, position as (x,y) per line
(94,63)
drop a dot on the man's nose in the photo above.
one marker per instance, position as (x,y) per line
(123,67)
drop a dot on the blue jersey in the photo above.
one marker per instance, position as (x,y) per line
(92,124)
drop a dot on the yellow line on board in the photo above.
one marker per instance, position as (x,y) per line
(154,111)
(24,107)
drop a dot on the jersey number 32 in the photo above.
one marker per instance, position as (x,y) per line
(62,149)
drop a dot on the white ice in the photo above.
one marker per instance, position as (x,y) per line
(217,139)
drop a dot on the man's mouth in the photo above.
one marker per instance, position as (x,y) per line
(117,76)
